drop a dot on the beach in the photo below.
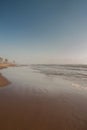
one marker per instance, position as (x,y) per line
(4,81)
(35,101)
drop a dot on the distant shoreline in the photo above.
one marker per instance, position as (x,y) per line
(2,66)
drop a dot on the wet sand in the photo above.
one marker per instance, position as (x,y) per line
(42,113)
(29,107)
(3,81)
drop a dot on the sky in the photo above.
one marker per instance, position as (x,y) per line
(44,31)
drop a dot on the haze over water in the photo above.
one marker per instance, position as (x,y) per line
(38,100)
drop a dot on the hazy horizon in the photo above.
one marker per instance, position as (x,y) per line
(47,32)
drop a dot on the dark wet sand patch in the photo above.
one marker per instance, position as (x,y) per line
(36,112)
(3,81)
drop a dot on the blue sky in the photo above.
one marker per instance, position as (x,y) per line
(44,31)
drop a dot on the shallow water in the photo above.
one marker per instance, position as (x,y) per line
(37,101)
(75,73)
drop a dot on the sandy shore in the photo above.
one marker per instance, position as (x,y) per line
(31,112)
(2,66)
(3,80)
(37,102)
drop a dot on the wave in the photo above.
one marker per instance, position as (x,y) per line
(70,72)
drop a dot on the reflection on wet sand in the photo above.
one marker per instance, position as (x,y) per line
(3,81)
(31,111)
(34,102)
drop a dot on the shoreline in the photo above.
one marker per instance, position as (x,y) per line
(4,81)
(35,101)
(2,66)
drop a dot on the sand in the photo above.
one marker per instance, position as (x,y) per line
(2,66)
(3,81)
(41,113)
(33,107)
